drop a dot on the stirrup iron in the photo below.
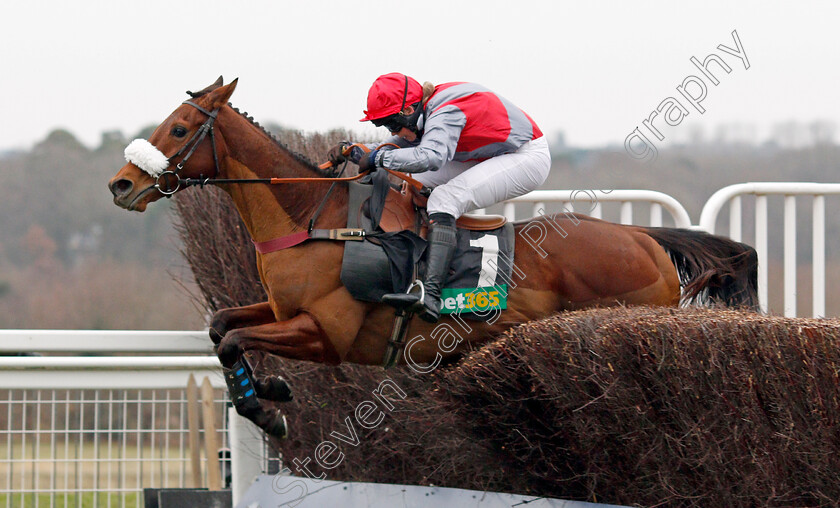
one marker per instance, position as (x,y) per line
(408,301)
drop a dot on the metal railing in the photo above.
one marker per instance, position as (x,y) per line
(96,430)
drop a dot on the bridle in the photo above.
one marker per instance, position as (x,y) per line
(162,183)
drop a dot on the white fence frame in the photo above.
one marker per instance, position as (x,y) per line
(96,372)
(106,341)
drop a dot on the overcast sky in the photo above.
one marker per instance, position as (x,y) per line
(593,70)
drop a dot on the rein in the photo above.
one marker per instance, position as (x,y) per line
(201,182)
(164,180)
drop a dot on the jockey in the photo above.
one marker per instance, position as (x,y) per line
(472,147)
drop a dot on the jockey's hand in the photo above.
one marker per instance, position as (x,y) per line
(368,162)
(356,154)
(336,153)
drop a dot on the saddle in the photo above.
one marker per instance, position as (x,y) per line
(395,221)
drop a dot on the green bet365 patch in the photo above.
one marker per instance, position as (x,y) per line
(457,300)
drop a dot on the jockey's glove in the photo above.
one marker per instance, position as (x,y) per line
(356,154)
(370,161)
(336,153)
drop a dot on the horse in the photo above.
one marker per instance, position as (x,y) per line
(309,315)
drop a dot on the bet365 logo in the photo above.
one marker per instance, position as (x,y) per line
(456,300)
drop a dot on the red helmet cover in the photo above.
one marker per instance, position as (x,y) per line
(388,93)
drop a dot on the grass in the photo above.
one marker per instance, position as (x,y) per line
(72,500)
(73,465)
(76,472)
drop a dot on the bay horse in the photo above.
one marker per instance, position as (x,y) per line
(309,315)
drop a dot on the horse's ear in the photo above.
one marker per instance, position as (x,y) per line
(221,96)
(207,89)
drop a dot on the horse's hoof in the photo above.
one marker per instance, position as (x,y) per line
(278,427)
(228,353)
(273,388)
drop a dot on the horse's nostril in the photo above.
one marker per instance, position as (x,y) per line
(121,187)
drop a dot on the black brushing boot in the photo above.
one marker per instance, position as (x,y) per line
(442,242)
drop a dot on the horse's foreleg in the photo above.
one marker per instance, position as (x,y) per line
(226,320)
(244,396)
(299,338)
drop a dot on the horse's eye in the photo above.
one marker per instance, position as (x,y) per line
(179,131)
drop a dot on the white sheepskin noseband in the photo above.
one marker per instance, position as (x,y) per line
(145,156)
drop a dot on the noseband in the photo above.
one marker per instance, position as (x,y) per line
(162,183)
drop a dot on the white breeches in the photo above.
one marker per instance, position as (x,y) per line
(463,186)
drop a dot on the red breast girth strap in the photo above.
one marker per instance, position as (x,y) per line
(284,242)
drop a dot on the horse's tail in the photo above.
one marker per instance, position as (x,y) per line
(712,269)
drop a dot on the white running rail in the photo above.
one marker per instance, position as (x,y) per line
(656,200)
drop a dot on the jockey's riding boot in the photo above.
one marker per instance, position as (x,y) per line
(439,252)
(442,243)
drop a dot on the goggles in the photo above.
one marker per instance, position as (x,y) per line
(393,123)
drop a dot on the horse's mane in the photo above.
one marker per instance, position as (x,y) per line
(296,155)
(299,210)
